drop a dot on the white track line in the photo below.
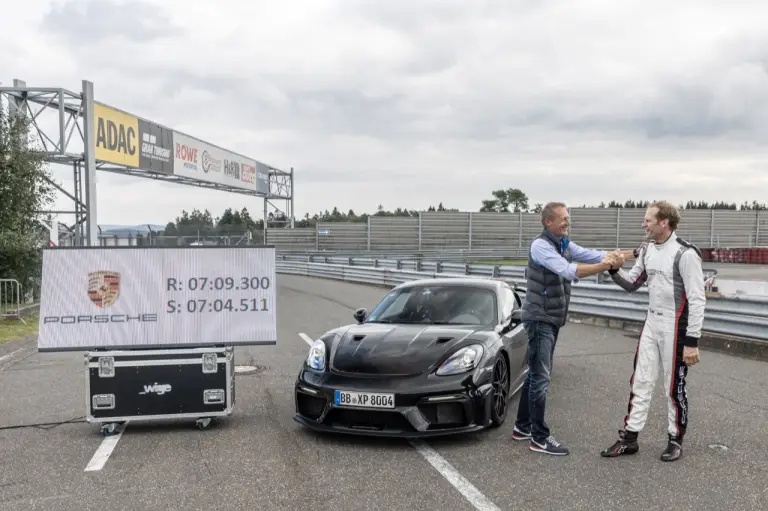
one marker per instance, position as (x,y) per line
(470,492)
(10,354)
(105,450)
(306,338)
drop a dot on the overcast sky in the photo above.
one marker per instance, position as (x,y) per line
(397,103)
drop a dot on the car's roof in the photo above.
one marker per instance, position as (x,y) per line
(493,284)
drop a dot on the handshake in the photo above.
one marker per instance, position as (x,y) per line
(615,259)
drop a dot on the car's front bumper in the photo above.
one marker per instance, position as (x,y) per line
(423,406)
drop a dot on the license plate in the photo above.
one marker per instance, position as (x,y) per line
(364,399)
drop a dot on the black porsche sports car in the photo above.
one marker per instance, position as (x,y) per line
(434,357)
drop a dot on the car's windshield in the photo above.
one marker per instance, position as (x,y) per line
(439,304)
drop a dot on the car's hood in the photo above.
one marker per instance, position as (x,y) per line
(385,349)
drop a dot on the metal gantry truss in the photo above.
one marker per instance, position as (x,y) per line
(74,127)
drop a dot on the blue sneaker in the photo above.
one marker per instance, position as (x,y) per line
(549,446)
(518,434)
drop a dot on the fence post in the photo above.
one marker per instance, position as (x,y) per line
(420,223)
(618,227)
(369,234)
(470,230)
(711,227)
(757,227)
(520,229)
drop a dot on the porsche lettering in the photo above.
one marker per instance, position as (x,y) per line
(100,319)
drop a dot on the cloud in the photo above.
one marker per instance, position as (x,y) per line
(409,104)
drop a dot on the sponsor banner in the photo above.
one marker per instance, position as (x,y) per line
(156,148)
(124,139)
(116,135)
(195,159)
(129,297)
(262,178)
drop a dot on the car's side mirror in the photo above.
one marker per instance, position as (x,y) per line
(510,322)
(360,315)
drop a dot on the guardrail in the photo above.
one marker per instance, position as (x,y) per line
(745,317)
(10,295)
(512,272)
(432,254)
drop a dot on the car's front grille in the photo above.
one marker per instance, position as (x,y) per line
(368,420)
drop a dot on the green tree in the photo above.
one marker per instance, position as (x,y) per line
(503,199)
(25,190)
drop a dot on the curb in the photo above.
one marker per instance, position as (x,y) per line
(746,348)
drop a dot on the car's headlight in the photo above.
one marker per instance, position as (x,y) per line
(462,361)
(316,357)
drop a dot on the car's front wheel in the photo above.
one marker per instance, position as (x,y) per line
(499,391)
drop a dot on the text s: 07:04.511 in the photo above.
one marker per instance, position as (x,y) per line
(218,305)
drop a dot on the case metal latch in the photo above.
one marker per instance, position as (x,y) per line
(103,402)
(213,396)
(106,367)
(209,363)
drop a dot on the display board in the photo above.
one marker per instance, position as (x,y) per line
(147,297)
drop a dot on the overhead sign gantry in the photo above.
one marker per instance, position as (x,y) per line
(120,142)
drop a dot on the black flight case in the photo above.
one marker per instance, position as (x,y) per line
(159,384)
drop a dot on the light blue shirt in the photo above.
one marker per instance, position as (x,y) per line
(545,254)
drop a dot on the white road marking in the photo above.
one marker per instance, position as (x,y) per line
(11,354)
(105,450)
(470,492)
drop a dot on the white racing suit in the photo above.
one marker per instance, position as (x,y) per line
(676,301)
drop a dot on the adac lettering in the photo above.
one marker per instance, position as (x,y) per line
(116,137)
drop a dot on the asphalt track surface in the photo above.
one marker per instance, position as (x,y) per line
(259,458)
(738,271)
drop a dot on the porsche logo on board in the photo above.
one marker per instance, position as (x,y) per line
(103,287)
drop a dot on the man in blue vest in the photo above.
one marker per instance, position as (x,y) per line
(554,262)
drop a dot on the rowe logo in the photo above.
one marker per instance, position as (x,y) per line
(157,388)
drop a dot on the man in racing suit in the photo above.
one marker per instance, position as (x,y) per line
(671,267)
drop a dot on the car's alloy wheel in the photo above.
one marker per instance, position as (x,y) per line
(500,392)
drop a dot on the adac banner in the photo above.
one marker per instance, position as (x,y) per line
(195,159)
(124,139)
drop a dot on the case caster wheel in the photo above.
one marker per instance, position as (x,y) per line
(204,424)
(108,429)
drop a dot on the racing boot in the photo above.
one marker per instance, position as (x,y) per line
(626,444)
(674,449)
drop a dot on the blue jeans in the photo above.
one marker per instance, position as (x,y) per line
(542,338)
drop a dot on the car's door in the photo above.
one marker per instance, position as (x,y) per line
(515,337)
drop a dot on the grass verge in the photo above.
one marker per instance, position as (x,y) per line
(507,262)
(13,329)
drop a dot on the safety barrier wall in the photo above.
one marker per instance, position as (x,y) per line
(745,317)
(432,231)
